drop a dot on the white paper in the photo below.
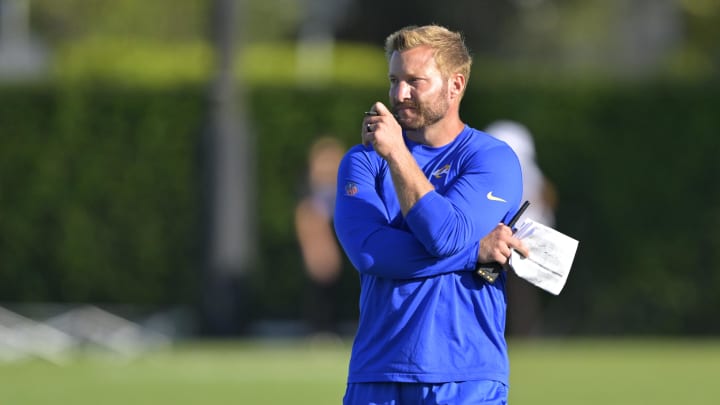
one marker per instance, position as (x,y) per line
(551,256)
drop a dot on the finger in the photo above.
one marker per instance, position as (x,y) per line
(381,109)
(364,134)
(500,258)
(505,252)
(367,138)
(372,112)
(520,247)
(500,228)
(367,125)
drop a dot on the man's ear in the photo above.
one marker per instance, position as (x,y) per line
(456,85)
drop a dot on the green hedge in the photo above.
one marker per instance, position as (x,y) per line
(100,194)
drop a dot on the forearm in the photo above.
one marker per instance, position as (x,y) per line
(392,253)
(410,183)
(373,237)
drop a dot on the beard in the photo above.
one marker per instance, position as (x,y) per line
(426,112)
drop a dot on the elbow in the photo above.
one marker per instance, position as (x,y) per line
(365,264)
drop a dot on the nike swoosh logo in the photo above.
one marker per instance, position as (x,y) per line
(491,197)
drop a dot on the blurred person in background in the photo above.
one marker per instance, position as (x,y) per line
(524,307)
(320,250)
(420,205)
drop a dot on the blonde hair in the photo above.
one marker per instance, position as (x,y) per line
(450,52)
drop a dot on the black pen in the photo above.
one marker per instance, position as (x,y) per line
(517,215)
(491,271)
(375,114)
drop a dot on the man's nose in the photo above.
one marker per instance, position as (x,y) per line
(402,92)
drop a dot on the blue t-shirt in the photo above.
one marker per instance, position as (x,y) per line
(425,316)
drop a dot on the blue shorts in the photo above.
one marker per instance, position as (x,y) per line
(457,393)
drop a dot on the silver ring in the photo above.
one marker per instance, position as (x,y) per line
(368,128)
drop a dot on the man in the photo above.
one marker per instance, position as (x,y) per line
(524,299)
(419,205)
(313,226)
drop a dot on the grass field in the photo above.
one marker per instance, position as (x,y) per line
(553,372)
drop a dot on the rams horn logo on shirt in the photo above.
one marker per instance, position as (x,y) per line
(439,172)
